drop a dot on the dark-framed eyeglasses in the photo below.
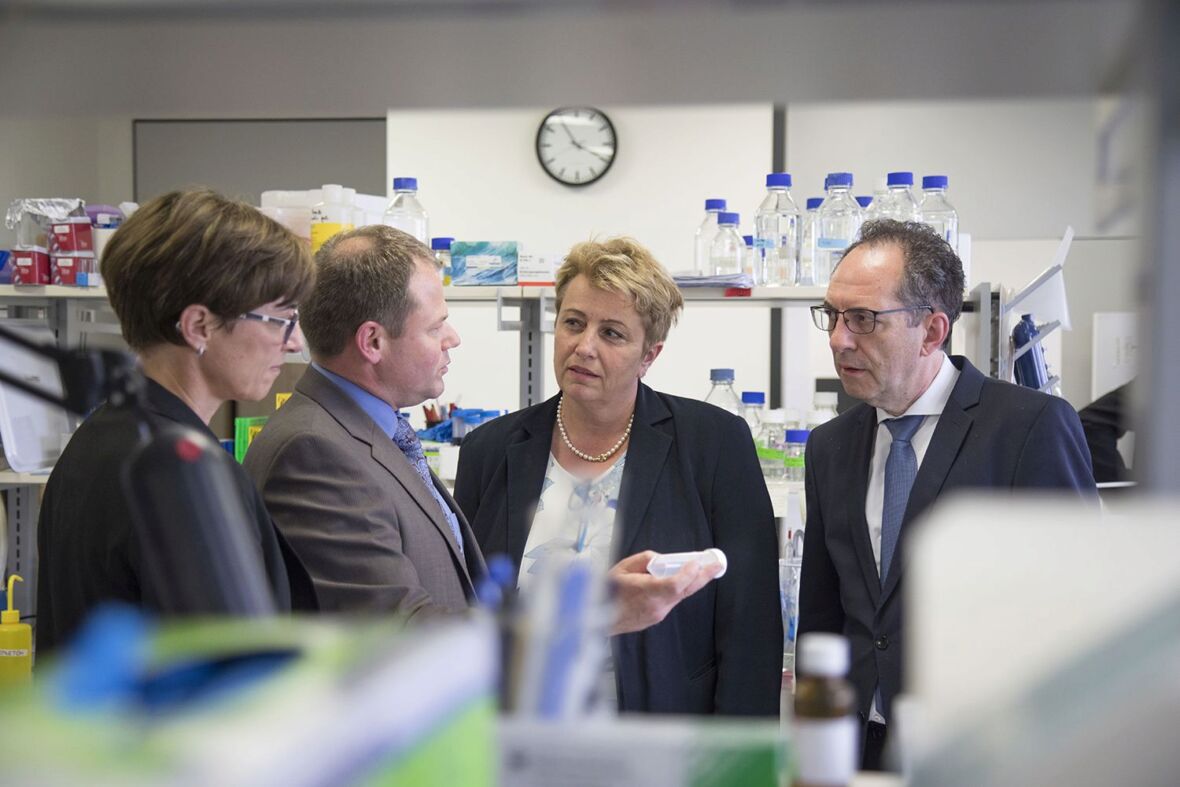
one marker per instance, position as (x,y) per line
(860,321)
(288,324)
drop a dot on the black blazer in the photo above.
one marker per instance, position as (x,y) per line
(87,550)
(692,481)
(990,434)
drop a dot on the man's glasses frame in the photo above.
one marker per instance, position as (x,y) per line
(288,324)
(858,321)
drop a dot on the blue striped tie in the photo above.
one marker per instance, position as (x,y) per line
(900,469)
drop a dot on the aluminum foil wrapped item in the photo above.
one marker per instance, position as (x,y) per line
(33,219)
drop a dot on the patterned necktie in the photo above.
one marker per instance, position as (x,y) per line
(900,469)
(405,439)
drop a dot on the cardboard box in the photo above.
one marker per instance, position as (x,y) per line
(30,267)
(72,236)
(484,263)
(72,270)
(538,269)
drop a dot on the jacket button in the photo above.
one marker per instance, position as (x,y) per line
(882,642)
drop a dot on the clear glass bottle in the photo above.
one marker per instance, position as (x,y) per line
(796,449)
(937,211)
(776,234)
(838,222)
(899,203)
(728,252)
(706,232)
(771,447)
(721,393)
(880,198)
(405,212)
(753,408)
(806,276)
(827,735)
(442,255)
(823,408)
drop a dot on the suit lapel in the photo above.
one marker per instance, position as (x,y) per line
(646,454)
(863,435)
(384,451)
(525,465)
(953,425)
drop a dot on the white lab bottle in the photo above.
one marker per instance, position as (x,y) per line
(706,232)
(776,234)
(329,216)
(727,255)
(405,212)
(838,222)
(806,276)
(938,212)
(721,393)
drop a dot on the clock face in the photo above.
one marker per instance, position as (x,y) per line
(576,145)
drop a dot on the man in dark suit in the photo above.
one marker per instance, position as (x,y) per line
(929,423)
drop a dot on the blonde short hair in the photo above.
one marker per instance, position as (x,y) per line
(624,266)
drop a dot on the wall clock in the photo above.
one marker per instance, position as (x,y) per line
(576,145)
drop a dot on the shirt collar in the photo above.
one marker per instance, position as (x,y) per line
(934,398)
(381,411)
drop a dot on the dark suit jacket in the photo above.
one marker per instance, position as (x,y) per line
(991,434)
(88,551)
(355,510)
(692,481)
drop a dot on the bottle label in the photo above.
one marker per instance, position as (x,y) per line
(827,749)
(832,244)
(14,653)
(321,231)
(793,461)
(770,454)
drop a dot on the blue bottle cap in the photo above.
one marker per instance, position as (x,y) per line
(839,178)
(753,397)
(728,217)
(779,179)
(437,244)
(749,239)
(899,179)
(405,184)
(797,435)
(721,375)
(714,204)
(864,201)
(934,182)
(814,202)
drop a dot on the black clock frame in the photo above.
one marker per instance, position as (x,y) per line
(537,145)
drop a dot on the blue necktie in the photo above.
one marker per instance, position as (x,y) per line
(406,439)
(900,469)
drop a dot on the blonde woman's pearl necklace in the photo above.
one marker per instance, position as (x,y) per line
(607,454)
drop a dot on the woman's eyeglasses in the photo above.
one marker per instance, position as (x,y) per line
(288,324)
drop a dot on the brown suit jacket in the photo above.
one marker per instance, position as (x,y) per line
(356,512)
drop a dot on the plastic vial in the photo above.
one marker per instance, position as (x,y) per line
(838,221)
(750,259)
(753,408)
(442,255)
(722,393)
(796,449)
(806,276)
(669,564)
(329,216)
(898,203)
(405,212)
(827,735)
(771,446)
(727,254)
(704,238)
(776,234)
(938,212)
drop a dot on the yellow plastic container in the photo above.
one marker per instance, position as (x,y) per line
(16,643)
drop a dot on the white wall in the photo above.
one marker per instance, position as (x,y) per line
(480,180)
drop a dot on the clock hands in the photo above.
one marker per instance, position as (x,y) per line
(570,134)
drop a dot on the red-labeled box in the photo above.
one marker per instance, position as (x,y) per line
(72,236)
(72,270)
(30,266)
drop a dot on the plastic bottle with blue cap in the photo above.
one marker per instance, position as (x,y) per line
(807,243)
(721,393)
(706,232)
(776,234)
(898,201)
(937,211)
(727,255)
(838,222)
(442,255)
